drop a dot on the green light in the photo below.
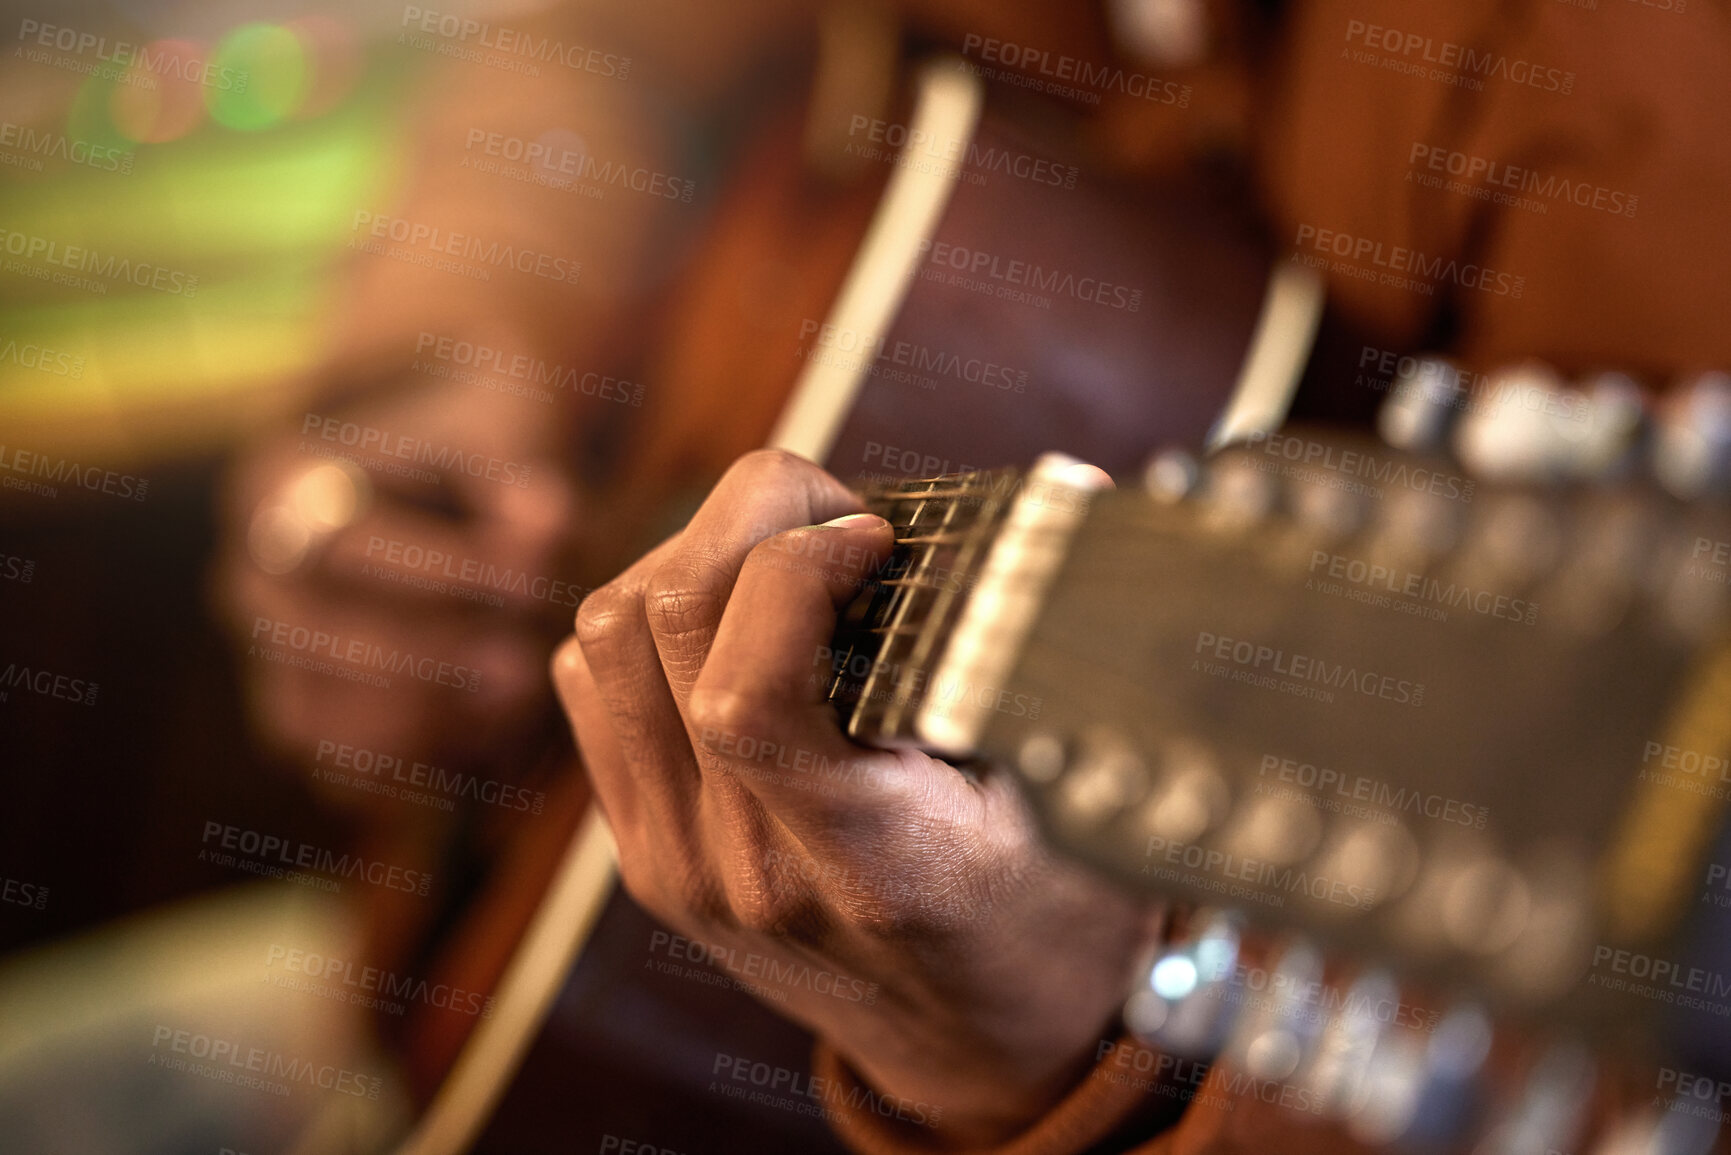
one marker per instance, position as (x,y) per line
(89,119)
(268,71)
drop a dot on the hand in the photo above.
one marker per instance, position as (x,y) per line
(746,819)
(424,564)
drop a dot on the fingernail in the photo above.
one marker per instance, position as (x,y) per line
(856,521)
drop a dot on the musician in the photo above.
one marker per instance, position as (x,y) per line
(688,681)
(1003,969)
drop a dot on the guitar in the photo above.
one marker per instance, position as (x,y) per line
(1306,755)
(980,322)
(965,376)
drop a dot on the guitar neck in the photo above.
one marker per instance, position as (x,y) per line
(1465,729)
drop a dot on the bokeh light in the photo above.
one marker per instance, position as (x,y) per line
(89,118)
(334,62)
(261,75)
(158,99)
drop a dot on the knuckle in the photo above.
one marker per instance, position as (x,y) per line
(679,601)
(567,661)
(607,615)
(717,714)
(761,465)
(897,906)
(775,907)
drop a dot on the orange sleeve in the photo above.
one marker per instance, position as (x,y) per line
(1135,1101)
(1570,146)
(1132,1094)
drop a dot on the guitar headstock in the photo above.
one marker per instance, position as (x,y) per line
(1473,735)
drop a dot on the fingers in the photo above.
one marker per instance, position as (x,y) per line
(615,675)
(759,707)
(644,640)
(596,741)
(763,493)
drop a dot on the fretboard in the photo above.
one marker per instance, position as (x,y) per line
(890,638)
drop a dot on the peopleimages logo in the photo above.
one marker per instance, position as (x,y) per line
(736,1076)
(969,160)
(29,464)
(80,259)
(46,684)
(847,348)
(1335,785)
(161,59)
(1413,53)
(403,447)
(1264,666)
(372,229)
(1391,472)
(1018,280)
(754,970)
(1490,179)
(486,359)
(1257,880)
(509,49)
(36,145)
(1397,261)
(1073,78)
(232,1061)
(274,855)
(549,162)
(43,359)
(396,769)
(21,893)
(1411,592)
(360,654)
(369,987)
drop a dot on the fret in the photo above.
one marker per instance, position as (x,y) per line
(906,583)
(895,629)
(934,539)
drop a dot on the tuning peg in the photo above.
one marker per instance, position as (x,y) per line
(1421,405)
(1425,1095)
(1238,493)
(1603,441)
(1550,1112)
(1526,429)
(1192,796)
(1275,829)
(1042,757)
(1661,1133)
(1280,1018)
(1338,1074)
(1181,1004)
(1105,776)
(1171,476)
(1692,441)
